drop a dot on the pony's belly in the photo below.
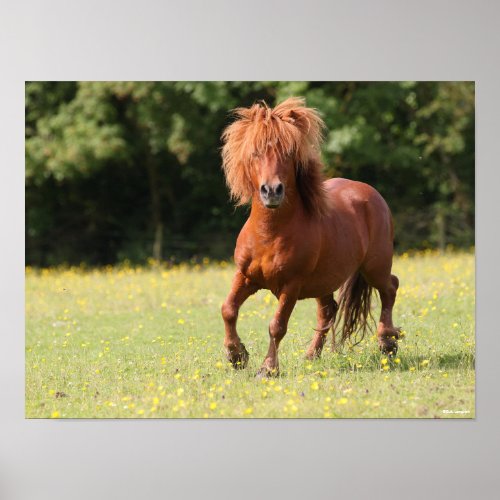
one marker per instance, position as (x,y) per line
(314,293)
(318,283)
(316,289)
(327,278)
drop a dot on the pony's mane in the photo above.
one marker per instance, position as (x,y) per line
(290,129)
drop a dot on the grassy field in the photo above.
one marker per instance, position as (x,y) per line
(123,342)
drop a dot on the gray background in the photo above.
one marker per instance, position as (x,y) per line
(253,40)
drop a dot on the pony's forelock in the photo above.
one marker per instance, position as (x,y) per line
(290,129)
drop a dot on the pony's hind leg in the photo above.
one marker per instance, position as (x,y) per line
(240,291)
(387,334)
(327,309)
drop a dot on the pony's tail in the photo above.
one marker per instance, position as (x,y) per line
(354,302)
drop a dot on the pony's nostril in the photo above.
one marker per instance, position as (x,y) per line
(279,189)
(264,190)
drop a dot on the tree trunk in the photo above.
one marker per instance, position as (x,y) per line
(441,228)
(156,215)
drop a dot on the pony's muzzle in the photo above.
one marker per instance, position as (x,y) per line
(272,196)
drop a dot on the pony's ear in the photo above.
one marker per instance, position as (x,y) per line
(291,117)
(305,120)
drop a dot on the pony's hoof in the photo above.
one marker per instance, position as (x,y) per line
(265,372)
(238,358)
(313,354)
(388,341)
(389,347)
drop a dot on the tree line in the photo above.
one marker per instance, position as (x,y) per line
(131,170)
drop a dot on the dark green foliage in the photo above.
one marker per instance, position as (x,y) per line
(130,170)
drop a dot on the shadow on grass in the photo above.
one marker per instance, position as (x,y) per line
(405,361)
(368,363)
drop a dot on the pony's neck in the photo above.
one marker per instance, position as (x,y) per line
(270,221)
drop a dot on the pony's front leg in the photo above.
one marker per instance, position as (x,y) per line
(241,289)
(277,330)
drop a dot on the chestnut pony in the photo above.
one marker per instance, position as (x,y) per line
(305,237)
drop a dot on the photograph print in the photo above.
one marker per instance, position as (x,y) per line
(250,249)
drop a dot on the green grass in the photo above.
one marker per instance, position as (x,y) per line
(147,342)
